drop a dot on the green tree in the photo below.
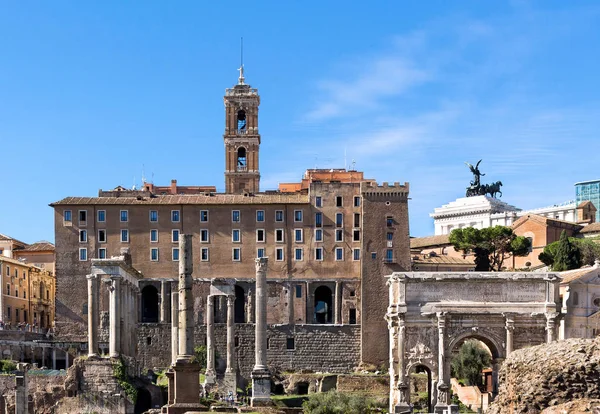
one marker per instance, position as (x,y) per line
(567,255)
(468,363)
(491,245)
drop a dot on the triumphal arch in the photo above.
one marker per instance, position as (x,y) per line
(431,314)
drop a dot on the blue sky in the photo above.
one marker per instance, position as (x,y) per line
(92,93)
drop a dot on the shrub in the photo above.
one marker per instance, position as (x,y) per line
(333,402)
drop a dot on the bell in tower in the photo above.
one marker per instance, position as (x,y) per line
(242,139)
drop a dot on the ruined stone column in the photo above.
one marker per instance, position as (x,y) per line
(66,358)
(230,333)
(174,326)
(21,401)
(402,384)
(92,316)
(186,301)
(442,397)
(210,339)
(510,327)
(251,301)
(53,358)
(114,316)
(290,300)
(261,377)
(164,302)
(337,319)
(125,333)
(550,326)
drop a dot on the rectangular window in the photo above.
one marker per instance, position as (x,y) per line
(16,292)
(356,201)
(390,236)
(298,291)
(355,235)
(339,235)
(153,215)
(318,219)
(356,254)
(154,236)
(101,216)
(389,221)
(318,235)
(82,217)
(279,235)
(8,289)
(101,236)
(83,254)
(298,235)
(102,253)
(289,344)
(8,313)
(204,236)
(236,254)
(67,216)
(154,254)
(260,215)
(279,254)
(260,235)
(352,317)
(298,216)
(124,236)
(204,254)
(203,216)
(174,236)
(339,254)
(175,254)
(356,219)
(339,201)
(279,215)
(260,252)
(235,216)
(17,315)
(82,236)
(318,202)
(339,220)
(298,255)
(319,254)
(235,235)
(124,216)
(175,216)
(389,256)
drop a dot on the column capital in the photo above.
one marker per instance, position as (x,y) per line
(91,277)
(261,264)
(441,319)
(230,300)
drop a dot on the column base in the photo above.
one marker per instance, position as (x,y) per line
(170,374)
(186,396)
(230,383)
(210,377)
(402,408)
(261,387)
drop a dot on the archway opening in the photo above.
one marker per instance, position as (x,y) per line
(323,305)
(240,305)
(241,159)
(241,121)
(150,305)
(143,402)
(421,389)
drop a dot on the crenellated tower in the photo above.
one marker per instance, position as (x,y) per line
(242,140)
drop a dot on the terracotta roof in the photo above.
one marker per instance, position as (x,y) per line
(442,259)
(585,203)
(572,275)
(8,238)
(188,199)
(591,228)
(429,241)
(544,220)
(41,246)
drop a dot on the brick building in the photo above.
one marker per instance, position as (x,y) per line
(330,240)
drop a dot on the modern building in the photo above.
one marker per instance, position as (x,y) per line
(589,191)
(330,240)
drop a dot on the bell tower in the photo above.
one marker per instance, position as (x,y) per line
(242,140)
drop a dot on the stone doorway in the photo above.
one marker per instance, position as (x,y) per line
(323,305)
(150,304)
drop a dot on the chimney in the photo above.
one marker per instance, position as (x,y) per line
(174,187)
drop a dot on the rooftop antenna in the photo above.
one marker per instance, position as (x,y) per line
(241,69)
(353,165)
(143,175)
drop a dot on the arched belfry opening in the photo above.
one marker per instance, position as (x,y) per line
(323,305)
(240,305)
(150,311)
(241,121)
(241,159)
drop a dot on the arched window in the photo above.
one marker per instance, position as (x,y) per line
(323,305)
(241,121)
(149,304)
(240,305)
(241,159)
(575,298)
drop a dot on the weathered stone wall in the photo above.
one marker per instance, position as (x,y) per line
(44,391)
(316,347)
(532,379)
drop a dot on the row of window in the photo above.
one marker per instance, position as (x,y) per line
(16,291)
(339,201)
(235,217)
(17,314)
(236,254)
(16,272)
(236,235)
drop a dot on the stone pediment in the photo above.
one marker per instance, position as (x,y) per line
(473,205)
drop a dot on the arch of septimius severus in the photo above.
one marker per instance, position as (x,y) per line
(431,314)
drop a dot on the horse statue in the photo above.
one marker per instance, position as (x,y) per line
(493,189)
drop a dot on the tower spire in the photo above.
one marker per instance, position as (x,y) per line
(241,79)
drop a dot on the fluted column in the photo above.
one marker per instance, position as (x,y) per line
(210,339)
(338,303)
(164,302)
(123,313)
(261,377)
(550,326)
(174,325)
(92,315)
(442,398)
(230,333)
(186,301)
(510,327)
(114,316)
(402,384)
